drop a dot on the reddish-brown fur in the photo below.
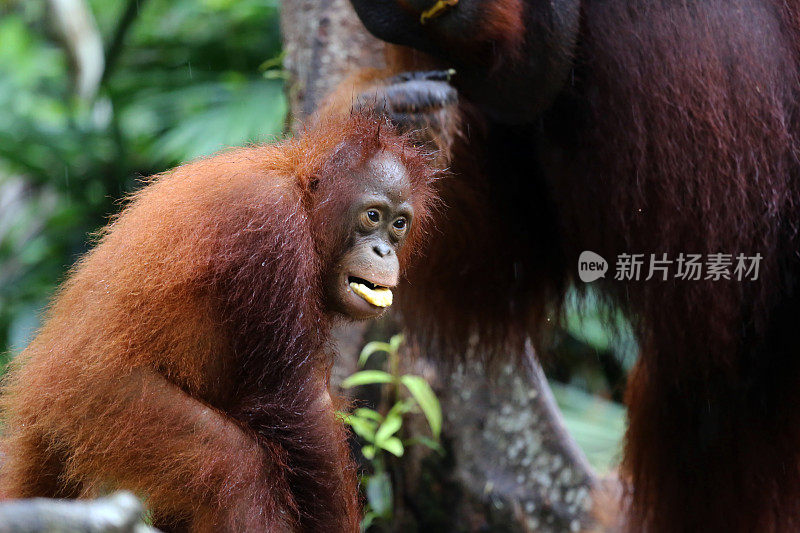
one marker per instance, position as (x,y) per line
(504,26)
(186,356)
(678,131)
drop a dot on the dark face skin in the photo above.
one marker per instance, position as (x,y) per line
(516,93)
(379,220)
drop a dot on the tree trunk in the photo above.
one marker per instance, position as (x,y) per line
(511,465)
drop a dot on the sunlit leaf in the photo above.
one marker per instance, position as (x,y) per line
(370,349)
(395,342)
(402,407)
(367,377)
(390,426)
(371,414)
(364,428)
(393,446)
(427,401)
(368,451)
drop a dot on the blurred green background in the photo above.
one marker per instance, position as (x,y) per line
(172,80)
(182,78)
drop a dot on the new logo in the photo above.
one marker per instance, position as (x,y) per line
(591,266)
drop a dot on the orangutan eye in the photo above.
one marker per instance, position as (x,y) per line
(399,227)
(369,219)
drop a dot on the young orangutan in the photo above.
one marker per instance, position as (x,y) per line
(186,357)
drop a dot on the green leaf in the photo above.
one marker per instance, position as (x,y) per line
(390,426)
(364,428)
(368,451)
(369,518)
(402,407)
(363,412)
(395,342)
(379,494)
(370,349)
(367,377)
(393,446)
(275,62)
(427,401)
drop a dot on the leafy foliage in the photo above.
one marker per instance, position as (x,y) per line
(382,433)
(186,80)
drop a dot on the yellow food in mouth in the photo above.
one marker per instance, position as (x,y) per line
(381,297)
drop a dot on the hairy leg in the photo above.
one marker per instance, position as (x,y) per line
(313,446)
(138,431)
(30,468)
(711,436)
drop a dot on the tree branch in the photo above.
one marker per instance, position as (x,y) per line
(119,513)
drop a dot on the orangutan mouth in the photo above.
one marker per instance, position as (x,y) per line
(377,295)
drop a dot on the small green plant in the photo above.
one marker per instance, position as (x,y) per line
(382,433)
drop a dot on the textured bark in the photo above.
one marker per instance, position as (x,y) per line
(517,465)
(511,465)
(323,40)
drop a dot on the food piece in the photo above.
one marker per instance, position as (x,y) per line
(380,297)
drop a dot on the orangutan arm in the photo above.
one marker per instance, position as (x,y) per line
(148,435)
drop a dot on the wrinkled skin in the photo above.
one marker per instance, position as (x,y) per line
(378,221)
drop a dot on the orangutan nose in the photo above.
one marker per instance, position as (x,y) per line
(382,249)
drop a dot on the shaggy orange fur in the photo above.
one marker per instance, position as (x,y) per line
(186,356)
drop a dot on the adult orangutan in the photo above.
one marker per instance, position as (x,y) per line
(187,355)
(653,127)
